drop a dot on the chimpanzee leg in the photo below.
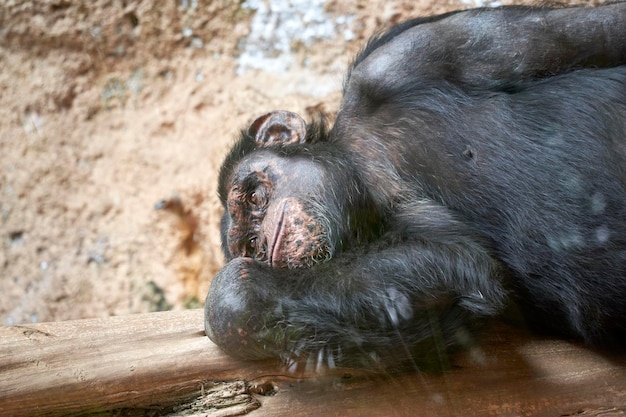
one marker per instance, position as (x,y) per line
(362,304)
(491,48)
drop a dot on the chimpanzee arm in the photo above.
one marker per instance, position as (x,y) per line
(361,305)
(492,48)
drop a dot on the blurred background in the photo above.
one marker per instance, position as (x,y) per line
(114,119)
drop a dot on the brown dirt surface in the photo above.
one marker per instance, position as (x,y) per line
(110,108)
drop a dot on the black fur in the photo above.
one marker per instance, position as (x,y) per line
(473,151)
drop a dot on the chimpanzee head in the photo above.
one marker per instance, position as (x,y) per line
(289,199)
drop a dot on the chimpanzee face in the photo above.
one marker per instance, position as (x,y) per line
(271,213)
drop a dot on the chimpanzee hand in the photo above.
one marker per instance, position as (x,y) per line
(239,315)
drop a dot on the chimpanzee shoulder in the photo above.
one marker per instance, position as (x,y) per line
(380,39)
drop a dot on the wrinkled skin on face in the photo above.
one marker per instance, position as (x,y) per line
(270,217)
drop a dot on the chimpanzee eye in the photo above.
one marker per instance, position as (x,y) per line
(252,248)
(256,249)
(257,198)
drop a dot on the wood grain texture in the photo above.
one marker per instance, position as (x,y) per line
(157,359)
(90,365)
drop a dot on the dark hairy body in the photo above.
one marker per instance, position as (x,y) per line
(477,155)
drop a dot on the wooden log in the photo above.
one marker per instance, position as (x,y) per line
(99,364)
(158,359)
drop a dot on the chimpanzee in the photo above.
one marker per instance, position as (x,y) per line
(476,154)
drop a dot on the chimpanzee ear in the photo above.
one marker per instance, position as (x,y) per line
(278,127)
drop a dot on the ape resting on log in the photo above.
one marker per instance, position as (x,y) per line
(477,156)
